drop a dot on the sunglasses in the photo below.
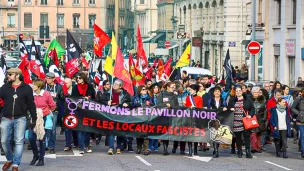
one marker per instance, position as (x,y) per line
(78,78)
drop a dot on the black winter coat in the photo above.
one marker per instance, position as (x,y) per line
(167,97)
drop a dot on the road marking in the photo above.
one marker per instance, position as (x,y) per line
(143,160)
(50,156)
(254,47)
(204,159)
(3,158)
(277,165)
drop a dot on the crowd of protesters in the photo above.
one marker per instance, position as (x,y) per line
(27,107)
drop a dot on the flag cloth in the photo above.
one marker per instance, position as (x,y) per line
(100,40)
(113,47)
(52,56)
(135,73)
(72,67)
(24,66)
(141,55)
(97,78)
(84,62)
(99,69)
(2,70)
(23,51)
(59,51)
(228,69)
(35,62)
(160,68)
(58,75)
(73,49)
(185,58)
(155,62)
(167,67)
(108,66)
(122,73)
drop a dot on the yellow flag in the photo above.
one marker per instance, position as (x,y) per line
(108,66)
(185,58)
(114,46)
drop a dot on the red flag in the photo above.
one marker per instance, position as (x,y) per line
(85,62)
(24,66)
(122,73)
(149,73)
(100,40)
(37,69)
(155,63)
(53,56)
(140,50)
(160,68)
(97,78)
(72,67)
(167,67)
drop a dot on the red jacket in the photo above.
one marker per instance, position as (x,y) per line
(44,101)
(198,101)
(271,104)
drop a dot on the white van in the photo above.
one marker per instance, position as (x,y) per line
(28,44)
(195,71)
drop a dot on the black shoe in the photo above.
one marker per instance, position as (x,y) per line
(232,151)
(165,153)
(46,149)
(182,153)
(52,151)
(2,152)
(205,149)
(173,150)
(259,151)
(215,153)
(253,151)
(138,151)
(146,153)
(97,141)
(195,151)
(62,131)
(285,155)
(278,154)
(240,154)
(35,159)
(40,162)
(124,146)
(302,155)
(248,154)
(130,149)
(29,147)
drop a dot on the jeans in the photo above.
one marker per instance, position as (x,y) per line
(119,141)
(42,145)
(51,134)
(301,129)
(19,126)
(83,140)
(153,144)
(281,143)
(68,138)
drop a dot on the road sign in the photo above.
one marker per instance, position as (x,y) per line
(254,47)
(231,44)
(167,44)
(21,36)
(71,121)
(181,35)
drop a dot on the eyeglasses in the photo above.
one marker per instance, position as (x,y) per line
(78,78)
(143,89)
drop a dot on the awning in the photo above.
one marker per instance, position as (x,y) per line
(147,40)
(157,37)
(174,46)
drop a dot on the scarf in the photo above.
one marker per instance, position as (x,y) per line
(82,88)
(281,108)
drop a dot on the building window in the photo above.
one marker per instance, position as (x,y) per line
(76,20)
(279,11)
(92,18)
(43,19)
(60,20)
(75,2)
(11,0)
(27,20)
(294,12)
(27,2)
(91,2)
(142,1)
(43,2)
(11,20)
(59,2)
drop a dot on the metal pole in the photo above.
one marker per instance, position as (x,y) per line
(116,14)
(44,32)
(57,21)
(252,63)
(19,20)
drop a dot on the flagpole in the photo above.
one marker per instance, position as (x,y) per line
(112,77)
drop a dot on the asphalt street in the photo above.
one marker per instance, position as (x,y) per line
(127,161)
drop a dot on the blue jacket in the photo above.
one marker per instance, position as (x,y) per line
(275,123)
(139,101)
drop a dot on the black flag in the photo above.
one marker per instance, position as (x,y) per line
(73,49)
(228,69)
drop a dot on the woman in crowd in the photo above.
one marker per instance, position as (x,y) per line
(45,102)
(242,106)
(154,92)
(276,85)
(86,91)
(142,99)
(280,121)
(168,99)
(193,101)
(216,102)
(297,109)
(259,104)
(201,90)
(287,96)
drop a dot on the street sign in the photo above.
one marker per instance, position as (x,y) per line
(181,35)
(21,36)
(71,121)
(254,47)
(167,44)
(231,44)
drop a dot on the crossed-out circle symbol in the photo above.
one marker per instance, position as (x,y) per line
(71,121)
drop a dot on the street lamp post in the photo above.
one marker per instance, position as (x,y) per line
(252,63)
